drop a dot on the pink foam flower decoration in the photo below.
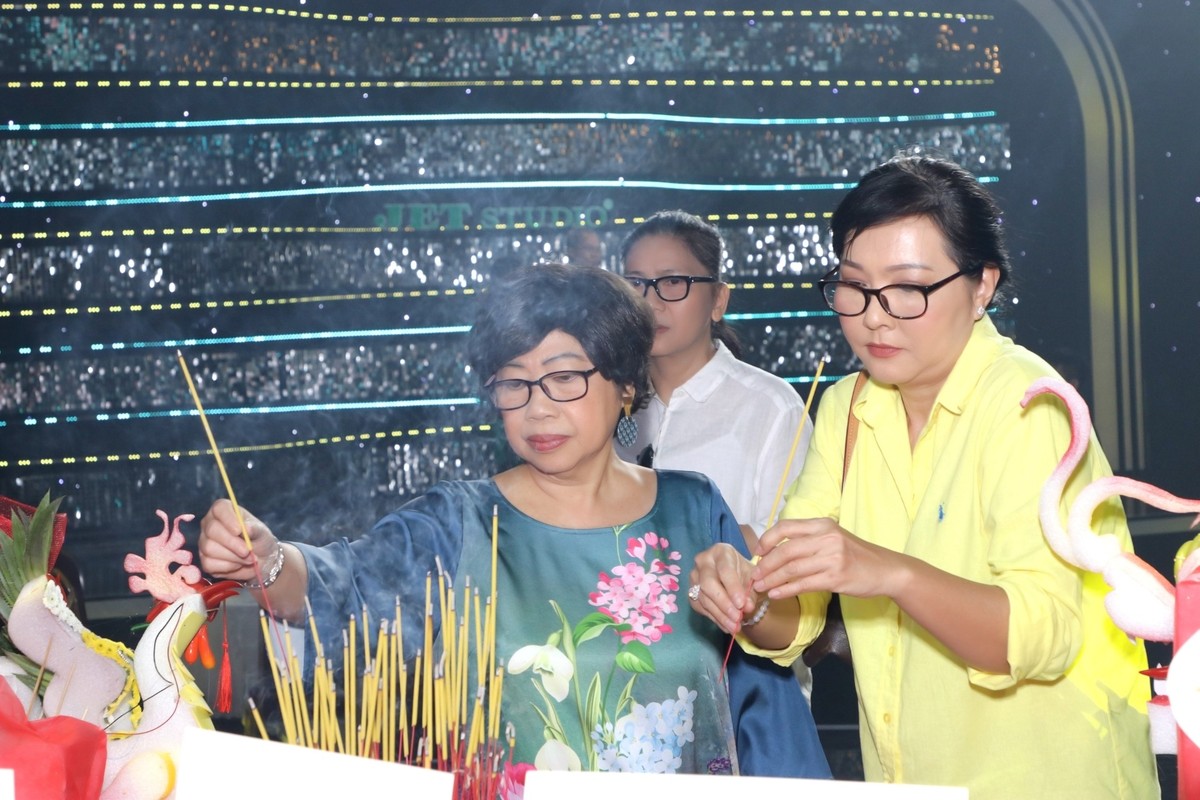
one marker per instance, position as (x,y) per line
(167,567)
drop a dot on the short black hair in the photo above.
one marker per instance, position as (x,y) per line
(612,322)
(922,185)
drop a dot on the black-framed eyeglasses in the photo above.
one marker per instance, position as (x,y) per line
(671,288)
(899,300)
(562,386)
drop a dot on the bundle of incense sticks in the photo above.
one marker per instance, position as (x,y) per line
(442,713)
(452,720)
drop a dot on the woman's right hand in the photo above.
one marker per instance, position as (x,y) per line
(223,552)
(810,555)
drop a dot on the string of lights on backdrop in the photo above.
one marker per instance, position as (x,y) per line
(309,200)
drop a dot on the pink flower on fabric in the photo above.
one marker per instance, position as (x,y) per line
(512,784)
(641,593)
(636,548)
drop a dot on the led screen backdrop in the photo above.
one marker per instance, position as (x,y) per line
(308,201)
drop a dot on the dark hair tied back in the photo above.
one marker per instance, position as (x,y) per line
(705,244)
(921,185)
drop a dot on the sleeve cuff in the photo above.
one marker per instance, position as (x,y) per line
(812,621)
(1041,645)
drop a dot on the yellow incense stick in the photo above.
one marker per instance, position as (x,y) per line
(328,703)
(370,690)
(402,713)
(476,730)
(427,677)
(258,721)
(380,681)
(401,673)
(389,730)
(480,651)
(376,739)
(282,689)
(332,726)
(465,641)
(366,636)
(448,714)
(312,625)
(318,708)
(783,479)
(212,442)
(298,695)
(787,467)
(335,730)
(447,624)
(351,676)
(490,643)
(437,731)
(346,683)
(494,699)
(418,682)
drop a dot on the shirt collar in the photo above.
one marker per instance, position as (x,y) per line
(706,381)
(980,350)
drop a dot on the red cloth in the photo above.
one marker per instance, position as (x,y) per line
(7,504)
(60,758)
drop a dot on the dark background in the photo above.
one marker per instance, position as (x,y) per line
(299,263)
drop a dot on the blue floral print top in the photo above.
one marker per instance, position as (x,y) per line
(607,666)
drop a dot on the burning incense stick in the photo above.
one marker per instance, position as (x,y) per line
(783,479)
(258,722)
(237,509)
(212,442)
(787,467)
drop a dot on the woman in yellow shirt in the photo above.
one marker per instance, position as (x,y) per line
(981,659)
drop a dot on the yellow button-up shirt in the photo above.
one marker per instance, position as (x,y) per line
(1069,719)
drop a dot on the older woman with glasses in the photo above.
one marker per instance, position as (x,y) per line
(608,667)
(980,658)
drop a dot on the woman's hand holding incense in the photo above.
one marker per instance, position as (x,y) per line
(722,577)
(808,555)
(223,549)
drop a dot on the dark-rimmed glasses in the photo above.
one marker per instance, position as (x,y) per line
(562,386)
(899,300)
(669,288)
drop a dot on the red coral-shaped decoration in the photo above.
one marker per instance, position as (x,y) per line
(162,552)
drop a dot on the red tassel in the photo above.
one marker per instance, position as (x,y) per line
(225,682)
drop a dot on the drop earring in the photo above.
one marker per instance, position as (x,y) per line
(627,427)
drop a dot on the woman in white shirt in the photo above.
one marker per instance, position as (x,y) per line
(710,412)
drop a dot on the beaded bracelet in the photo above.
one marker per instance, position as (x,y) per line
(759,613)
(272,573)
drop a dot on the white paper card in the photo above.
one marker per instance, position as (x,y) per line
(8,784)
(259,768)
(607,785)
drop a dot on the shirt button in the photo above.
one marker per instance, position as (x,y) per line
(892,650)
(887,719)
